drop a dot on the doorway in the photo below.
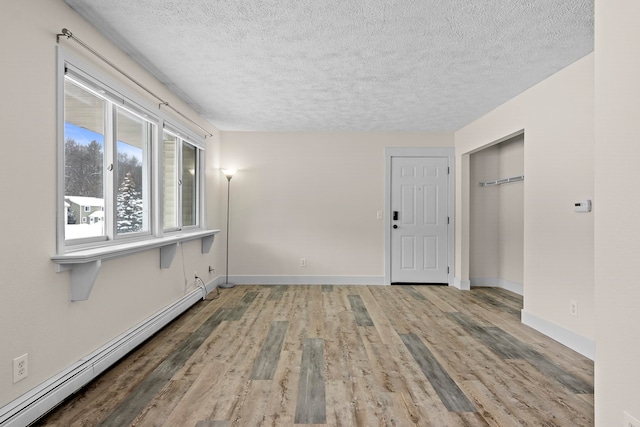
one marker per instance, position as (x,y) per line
(419,215)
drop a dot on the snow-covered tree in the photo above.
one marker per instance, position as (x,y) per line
(128,206)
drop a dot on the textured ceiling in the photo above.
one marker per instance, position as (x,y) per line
(287,65)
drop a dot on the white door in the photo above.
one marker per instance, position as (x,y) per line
(419,219)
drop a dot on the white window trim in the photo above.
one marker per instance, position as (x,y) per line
(84,258)
(183,137)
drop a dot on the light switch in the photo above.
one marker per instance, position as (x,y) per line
(582,206)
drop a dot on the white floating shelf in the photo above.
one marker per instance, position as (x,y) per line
(85,264)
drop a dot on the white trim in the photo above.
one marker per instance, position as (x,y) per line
(44,397)
(576,342)
(307,280)
(463,285)
(495,282)
(449,153)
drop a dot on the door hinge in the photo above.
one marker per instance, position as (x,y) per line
(447,270)
(447,220)
(448,170)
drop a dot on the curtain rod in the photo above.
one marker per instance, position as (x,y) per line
(69,35)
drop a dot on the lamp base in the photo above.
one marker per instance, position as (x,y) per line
(226,285)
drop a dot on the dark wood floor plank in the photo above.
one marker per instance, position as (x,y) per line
(360,311)
(236,312)
(277,292)
(497,305)
(265,365)
(311,408)
(213,424)
(450,394)
(327,288)
(413,292)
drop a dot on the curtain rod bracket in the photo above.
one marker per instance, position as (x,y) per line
(65,33)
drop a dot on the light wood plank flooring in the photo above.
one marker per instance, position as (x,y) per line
(342,356)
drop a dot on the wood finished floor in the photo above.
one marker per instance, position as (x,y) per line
(342,356)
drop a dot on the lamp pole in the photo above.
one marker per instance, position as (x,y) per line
(229,174)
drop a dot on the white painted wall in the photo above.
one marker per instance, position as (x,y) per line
(511,232)
(484,211)
(557,116)
(36,316)
(617,227)
(313,196)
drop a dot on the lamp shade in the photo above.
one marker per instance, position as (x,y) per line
(229,173)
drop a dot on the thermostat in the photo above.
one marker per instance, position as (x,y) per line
(583,206)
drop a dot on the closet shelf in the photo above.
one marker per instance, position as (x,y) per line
(502,181)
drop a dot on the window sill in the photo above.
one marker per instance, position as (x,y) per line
(85,264)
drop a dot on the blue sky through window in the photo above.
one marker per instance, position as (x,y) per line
(81,135)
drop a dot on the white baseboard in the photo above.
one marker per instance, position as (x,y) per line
(582,345)
(463,285)
(46,396)
(493,282)
(307,280)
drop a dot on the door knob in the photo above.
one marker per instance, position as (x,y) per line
(395,226)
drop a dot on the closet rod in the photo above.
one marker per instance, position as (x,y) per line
(502,181)
(69,35)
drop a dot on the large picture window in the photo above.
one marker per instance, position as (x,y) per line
(114,186)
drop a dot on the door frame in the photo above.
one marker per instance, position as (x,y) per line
(449,153)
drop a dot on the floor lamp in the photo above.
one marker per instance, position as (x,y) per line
(229,174)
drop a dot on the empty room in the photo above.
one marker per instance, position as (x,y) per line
(333,213)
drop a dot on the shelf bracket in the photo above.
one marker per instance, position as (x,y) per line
(167,253)
(83,277)
(207,243)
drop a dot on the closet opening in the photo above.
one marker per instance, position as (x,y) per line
(496,215)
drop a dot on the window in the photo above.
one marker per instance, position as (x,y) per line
(107,188)
(181,182)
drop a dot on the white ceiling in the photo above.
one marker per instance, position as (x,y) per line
(329,65)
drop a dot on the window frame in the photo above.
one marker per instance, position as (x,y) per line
(119,95)
(181,138)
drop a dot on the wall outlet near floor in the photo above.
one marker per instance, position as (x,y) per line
(20,367)
(630,421)
(573,309)
(303,262)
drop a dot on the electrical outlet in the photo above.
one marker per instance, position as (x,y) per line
(303,262)
(630,421)
(20,367)
(573,309)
